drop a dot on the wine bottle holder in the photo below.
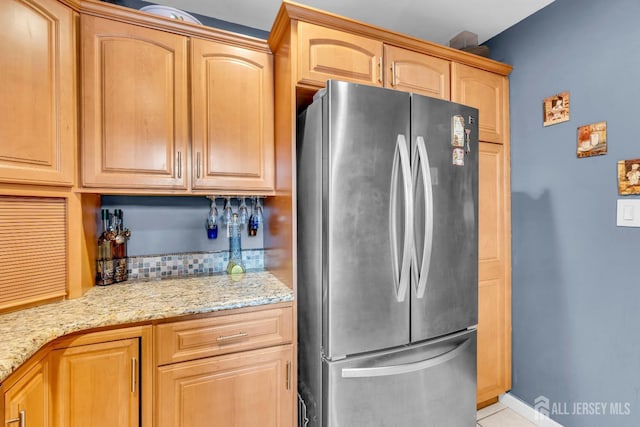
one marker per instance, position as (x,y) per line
(111,271)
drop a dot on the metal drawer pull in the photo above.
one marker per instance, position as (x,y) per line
(133,374)
(232,337)
(22,419)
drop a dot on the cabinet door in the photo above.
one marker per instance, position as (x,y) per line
(96,385)
(494,295)
(246,389)
(134,105)
(489,93)
(410,71)
(28,399)
(38,108)
(325,54)
(232,93)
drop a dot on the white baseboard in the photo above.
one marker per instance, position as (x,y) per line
(518,406)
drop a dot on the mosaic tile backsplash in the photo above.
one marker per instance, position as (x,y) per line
(189,264)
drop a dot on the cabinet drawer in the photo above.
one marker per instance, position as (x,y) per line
(194,339)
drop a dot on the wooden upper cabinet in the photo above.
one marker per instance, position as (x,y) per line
(232,99)
(38,109)
(134,102)
(489,93)
(324,54)
(415,72)
(28,399)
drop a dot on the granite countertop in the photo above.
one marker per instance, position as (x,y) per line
(24,332)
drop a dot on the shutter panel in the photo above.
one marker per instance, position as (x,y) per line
(33,250)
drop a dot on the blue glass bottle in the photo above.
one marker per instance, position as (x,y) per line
(254,223)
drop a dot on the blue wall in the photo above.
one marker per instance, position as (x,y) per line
(576,287)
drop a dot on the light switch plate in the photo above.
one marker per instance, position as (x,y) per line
(629,213)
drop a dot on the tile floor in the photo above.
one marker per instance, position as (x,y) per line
(498,415)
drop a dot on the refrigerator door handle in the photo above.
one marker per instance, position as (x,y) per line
(402,267)
(380,371)
(425,171)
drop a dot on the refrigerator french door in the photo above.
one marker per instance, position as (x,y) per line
(387,256)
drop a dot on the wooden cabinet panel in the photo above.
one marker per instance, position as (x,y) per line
(325,54)
(247,389)
(411,71)
(491,351)
(494,296)
(32,269)
(134,104)
(96,385)
(38,109)
(232,95)
(28,399)
(192,339)
(489,93)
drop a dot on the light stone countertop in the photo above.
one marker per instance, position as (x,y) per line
(24,332)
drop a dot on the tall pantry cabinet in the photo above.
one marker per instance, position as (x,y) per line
(311,46)
(490,94)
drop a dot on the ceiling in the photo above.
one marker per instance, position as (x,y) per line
(434,20)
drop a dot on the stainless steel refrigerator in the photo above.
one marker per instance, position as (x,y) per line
(387,259)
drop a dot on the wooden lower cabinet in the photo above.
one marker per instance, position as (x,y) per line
(96,385)
(246,389)
(26,401)
(107,379)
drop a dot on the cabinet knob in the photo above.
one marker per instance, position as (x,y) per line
(21,419)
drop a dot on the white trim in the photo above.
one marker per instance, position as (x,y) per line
(518,406)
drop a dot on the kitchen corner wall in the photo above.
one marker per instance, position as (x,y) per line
(576,287)
(170,225)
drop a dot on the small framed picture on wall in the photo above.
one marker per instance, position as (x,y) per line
(555,109)
(592,140)
(629,177)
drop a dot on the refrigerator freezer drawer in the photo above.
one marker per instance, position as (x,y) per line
(428,384)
